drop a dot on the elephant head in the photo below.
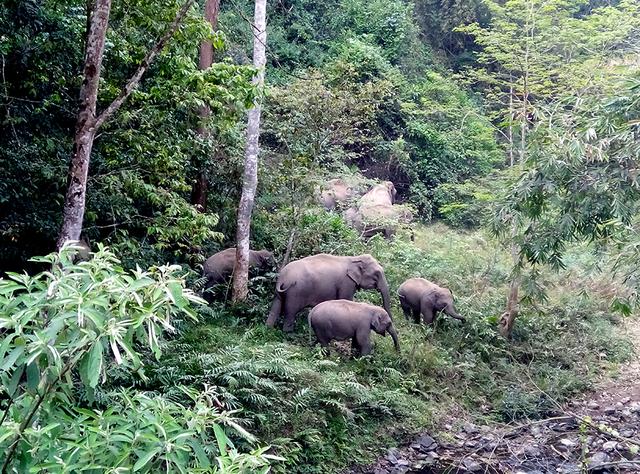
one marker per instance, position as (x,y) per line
(368,274)
(443,301)
(264,259)
(382,324)
(392,191)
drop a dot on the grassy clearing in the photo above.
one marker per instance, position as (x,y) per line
(322,414)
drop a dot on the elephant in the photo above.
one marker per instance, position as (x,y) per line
(383,193)
(81,251)
(336,192)
(312,280)
(219,266)
(379,218)
(422,297)
(344,319)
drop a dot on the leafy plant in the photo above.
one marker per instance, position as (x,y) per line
(62,329)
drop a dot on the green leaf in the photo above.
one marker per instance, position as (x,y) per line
(91,365)
(15,379)
(221,438)
(198,450)
(144,459)
(11,359)
(175,292)
(33,377)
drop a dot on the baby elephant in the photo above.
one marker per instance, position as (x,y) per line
(343,319)
(422,297)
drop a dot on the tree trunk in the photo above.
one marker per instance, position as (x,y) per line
(250,176)
(508,318)
(88,123)
(205,60)
(74,202)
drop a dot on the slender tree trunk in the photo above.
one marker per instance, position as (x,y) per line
(74,203)
(205,60)
(250,177)
(88,123)
(507,320)
(511,120)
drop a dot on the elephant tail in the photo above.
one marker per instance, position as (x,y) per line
(278,302)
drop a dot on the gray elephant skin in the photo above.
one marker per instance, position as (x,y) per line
(336,193)
(340,320)
(323,277)
(422,297)
(378,219)
(383,193)
(219,267)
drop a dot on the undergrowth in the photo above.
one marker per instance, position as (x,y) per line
(322,413)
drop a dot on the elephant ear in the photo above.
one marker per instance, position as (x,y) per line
(355,271)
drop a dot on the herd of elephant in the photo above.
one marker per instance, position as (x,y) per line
(328,283)
(375,212)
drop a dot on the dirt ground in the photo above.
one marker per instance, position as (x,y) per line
(599,432)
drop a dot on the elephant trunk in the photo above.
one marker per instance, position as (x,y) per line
(383,288)
(394,335)
(450,310)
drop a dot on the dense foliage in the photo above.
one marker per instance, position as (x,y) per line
(512,122)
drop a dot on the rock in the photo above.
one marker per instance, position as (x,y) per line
(593,405)
(403,462)
(392,455)
(532,451)
(619,405)
(625,400)
(610,410)
(568,443)
(628,433)
(599,458)
(470,428)
(471,465)
(610,446)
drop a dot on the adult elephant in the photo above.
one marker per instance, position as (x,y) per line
(379,218)
(336,193)
(219,267)
(312,280)
(380,194)
(423,297)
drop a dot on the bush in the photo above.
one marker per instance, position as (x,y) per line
(63,331)
(464,205)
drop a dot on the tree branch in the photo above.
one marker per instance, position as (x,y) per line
(144,65)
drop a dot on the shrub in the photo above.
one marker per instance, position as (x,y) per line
(62,331)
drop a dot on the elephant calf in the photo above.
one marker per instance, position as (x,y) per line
(422,297)
(219,266)
(343,319)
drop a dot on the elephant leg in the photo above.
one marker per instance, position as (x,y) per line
(364,341)
(355,346)
(290,313)
(428,316)
(416,315)
(276,309)
(406,308)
